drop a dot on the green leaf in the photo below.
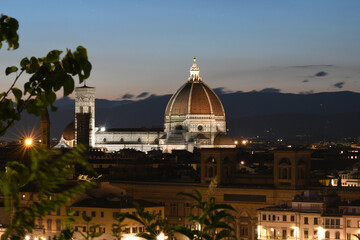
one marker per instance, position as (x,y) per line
(50,96)
(10,70)
(68,85)
(53,56)
(24,63)
(17,93)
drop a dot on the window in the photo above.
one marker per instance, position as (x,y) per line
(115,214)
(40,223)
(316,221)
(103,230)
(243,230)
(306,220)
(141,229)
(48,222)
(84,229)
(102,214)
(23,196)
(292,233)
(273,218)
(58,225)
(58,211)
(93,213)
(284,233)
(84,213)
(76,213)
(306,233)
(337,223)
(76,228)
(348,223)
(292,218)
(134,230)
(284,218)
(348,236)
(315,233)
(337,235)
(327,234)
(269,217)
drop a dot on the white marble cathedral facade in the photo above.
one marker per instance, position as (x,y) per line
(194,117)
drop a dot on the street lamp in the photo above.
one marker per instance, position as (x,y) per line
(161,236)
(28,142)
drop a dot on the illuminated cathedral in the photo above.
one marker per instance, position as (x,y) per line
(194,118)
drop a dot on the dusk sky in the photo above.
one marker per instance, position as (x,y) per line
(148,46)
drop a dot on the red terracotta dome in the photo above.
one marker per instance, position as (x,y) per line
(194,97)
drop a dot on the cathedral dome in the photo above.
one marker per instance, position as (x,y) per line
(69,131)
(223,139)
(194,97)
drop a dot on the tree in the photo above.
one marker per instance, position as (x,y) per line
(47,170)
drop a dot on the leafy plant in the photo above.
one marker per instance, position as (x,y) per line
(117,228)
(211,221)
(47,173)
(90,232)
(154,224)
(47,170)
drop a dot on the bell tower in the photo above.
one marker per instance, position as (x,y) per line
(45,129)
(85,116)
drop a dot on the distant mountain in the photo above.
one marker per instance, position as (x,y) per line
(319,115)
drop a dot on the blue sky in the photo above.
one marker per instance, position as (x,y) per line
(148,46)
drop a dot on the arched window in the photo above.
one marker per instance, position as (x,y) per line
(121,140)
(337,235)
(104,140)
(139,140)
(327,234)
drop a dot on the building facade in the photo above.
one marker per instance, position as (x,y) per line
(194,117)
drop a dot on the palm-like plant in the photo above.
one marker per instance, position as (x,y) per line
(154,224)
(211,221)
(90,229)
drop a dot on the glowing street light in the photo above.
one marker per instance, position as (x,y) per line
(236,142)
(28,142)
(161,236)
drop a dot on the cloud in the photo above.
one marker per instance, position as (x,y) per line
(310,66)
(305,81)
(221,90)
(339,84)
(307,92)
(143,94)
(320,74)
(127,96)
(270,90)
(152,96)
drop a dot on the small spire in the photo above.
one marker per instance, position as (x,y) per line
(194,71)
